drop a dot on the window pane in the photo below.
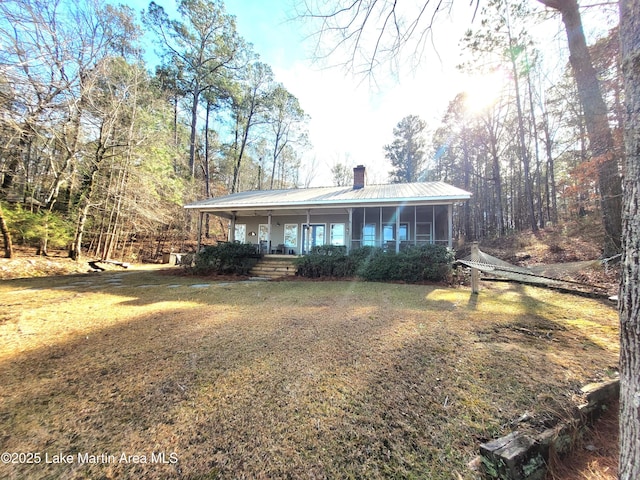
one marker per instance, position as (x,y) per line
(291,234)
(241,232)
(388,232)
(337,234)
(263,232)
(369,234)
(404,232)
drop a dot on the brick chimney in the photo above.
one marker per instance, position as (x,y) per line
(358,177)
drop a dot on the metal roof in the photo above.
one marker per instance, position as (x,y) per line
(392,194)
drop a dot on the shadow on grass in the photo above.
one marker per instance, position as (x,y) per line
(272,381)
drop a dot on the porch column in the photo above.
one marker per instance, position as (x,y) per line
(397,229)
(308,242)
(200,215)
(350,230)
(415,225)
(433,224)
(269,216)
(232,228)
(381,242)
(450,219)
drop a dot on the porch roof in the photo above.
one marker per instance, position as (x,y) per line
(422,193)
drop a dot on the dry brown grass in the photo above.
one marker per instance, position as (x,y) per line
(283,379)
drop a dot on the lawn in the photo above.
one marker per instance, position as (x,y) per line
(146,375)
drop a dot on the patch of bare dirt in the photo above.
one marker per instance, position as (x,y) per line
(596,456)
(24,266)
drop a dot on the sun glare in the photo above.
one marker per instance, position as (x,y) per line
(483,91)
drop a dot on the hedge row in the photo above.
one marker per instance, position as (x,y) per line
(223,258)
(414,264)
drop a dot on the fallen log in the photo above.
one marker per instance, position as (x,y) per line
(94,264)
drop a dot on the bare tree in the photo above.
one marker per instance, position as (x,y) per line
(363,34)
(286,120)
(249,106)
(341,174)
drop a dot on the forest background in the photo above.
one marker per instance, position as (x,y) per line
(99,153)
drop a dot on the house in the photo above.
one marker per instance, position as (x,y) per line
(295,220)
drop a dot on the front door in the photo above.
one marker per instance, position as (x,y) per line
(312,236)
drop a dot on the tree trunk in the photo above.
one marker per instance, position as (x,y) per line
(194,130)
(75,253)
(524,152)
(245,138)
(629,461)
(550,177)
(598,129)
(275,160)
(6,236)
(206,168)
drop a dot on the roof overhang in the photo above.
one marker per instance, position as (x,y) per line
(302,208)
(329,199)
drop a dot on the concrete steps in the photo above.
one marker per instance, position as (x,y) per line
(274,266)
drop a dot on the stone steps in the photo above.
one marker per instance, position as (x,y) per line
(274,268)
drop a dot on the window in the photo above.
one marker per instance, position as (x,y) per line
(423,232)
(291,234)
(337,234)
(241,232)
(263,232)
(404,232)
(389,232)
(369,234)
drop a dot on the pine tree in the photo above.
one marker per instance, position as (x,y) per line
(407,152)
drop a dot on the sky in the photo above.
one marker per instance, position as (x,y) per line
(352,118)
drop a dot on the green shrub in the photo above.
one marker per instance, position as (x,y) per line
(224,258)
(326,261)
(415,264)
